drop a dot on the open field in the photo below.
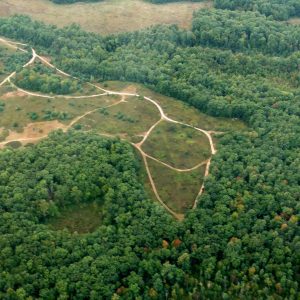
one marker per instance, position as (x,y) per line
(180,146)
(20,109)
(177,190)
(128,120)
(105,17)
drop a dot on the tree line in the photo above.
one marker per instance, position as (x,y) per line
(245,31)
(278,9)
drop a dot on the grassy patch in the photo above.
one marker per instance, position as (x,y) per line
(294,21)
(21,109)
(177,145)
(105,17)
(81,218)
(128,119)
(177,190)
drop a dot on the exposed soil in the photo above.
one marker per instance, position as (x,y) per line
(13,94)
(35,130)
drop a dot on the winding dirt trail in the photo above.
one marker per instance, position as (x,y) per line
(146,135)
(7,78)
(178,216)
(51,96)
(124,95)
(14,45)
(176,169)
(206,173)
(23,140)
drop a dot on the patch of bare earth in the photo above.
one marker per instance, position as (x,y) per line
(34,131)
(294,21)
(46,58)
(130,89)
(13,94)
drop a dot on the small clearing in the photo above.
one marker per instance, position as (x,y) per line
(33,132)
(78,218)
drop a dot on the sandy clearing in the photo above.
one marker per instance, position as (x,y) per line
(130,89)
(35,130)
(13,94)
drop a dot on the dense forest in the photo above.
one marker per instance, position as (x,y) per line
(245,31)
(38,182)
(278,9)
(42,79)
(242,241)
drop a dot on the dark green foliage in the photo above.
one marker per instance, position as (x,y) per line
(245,31)
(242,242)
(55,115)
(33,116)
(121,116)
(14,145)
(2,106)
(278,9)
(13,61)
(77,126)
(37,182)
(42,79)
